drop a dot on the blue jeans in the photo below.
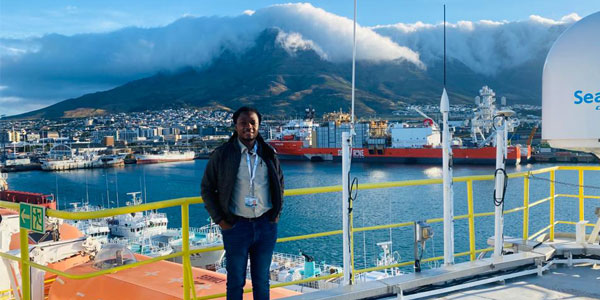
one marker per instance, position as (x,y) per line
(257,239)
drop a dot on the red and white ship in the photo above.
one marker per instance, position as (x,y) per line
(165,156)
(378,141)
(294,150)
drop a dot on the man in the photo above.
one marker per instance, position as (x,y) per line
(242,190)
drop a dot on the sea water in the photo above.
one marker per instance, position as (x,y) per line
(322,212)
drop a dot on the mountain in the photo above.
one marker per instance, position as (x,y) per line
(279,81)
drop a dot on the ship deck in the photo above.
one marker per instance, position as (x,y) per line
(563,269)
(578,282)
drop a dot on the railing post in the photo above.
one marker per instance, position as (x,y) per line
(351,221)
(185,239)
(346,212)
(581,194)
(552,197)
(526,207)
(25,278)
(471,219)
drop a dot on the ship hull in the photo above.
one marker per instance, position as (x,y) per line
(292,150)
(157,160)
(164,158)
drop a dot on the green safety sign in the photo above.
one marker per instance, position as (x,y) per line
(31,217)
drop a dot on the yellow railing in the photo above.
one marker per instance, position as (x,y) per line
(184,203)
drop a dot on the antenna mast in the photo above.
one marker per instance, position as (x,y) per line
(444,45)
(447,169)
(353,66)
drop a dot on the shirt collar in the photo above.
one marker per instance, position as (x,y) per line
(243,147)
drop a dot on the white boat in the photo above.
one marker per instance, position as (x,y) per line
(16,160)
(137,225)
(61,158)
(144,245)
(3,182)
(108,161)
(287,267)
(165,156)
(204,237)
(94,228)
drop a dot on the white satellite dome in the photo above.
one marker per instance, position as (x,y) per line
(571,88)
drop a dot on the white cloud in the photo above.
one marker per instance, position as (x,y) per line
(293,42)
(484,46)
(16,105)
(248,12)
(570,18)
(55,67)
(86,61)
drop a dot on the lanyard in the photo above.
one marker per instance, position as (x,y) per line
(252,171)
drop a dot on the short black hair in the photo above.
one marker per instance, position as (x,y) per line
(246,109)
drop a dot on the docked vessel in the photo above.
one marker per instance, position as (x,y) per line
(46,201)
(380,141)
(93,228)
(61,158)
(165,156)
(109,161)
(203,237)
(15,163)
(137,225)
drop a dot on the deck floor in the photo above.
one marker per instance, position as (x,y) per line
(578,282)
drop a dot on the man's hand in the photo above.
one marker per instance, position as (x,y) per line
(224,225)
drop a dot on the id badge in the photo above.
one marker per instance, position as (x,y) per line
(251,201)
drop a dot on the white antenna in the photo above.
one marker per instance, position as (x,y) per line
(56,178)
(448,203)
(117,186)
(107,191)
(353,66)
(87,190)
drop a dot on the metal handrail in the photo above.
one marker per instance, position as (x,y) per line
(186,201)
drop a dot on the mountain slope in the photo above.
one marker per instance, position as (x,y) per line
(282,82)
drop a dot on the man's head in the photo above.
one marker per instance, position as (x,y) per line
(246,121)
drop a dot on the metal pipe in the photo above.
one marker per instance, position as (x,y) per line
(472,248)
(525,207)
(552,201)
(499,193)
(185,239)
(581,193)
(346,207)
(448,186)
(25,278)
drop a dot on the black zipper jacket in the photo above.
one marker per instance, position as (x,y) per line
(221,173)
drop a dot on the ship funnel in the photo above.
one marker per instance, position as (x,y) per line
(570,89)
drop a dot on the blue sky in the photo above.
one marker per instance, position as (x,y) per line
(39,68)
(20,19)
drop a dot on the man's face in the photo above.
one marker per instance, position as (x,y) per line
(247,126)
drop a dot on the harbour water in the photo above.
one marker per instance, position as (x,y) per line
(322,212)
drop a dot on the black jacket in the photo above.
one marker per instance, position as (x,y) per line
(221,173)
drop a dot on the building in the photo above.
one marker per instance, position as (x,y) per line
(108,141)
(127,135)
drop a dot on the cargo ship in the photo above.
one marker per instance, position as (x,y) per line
(381,141)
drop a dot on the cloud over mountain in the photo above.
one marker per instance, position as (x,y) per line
(55,67)
(484,46)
